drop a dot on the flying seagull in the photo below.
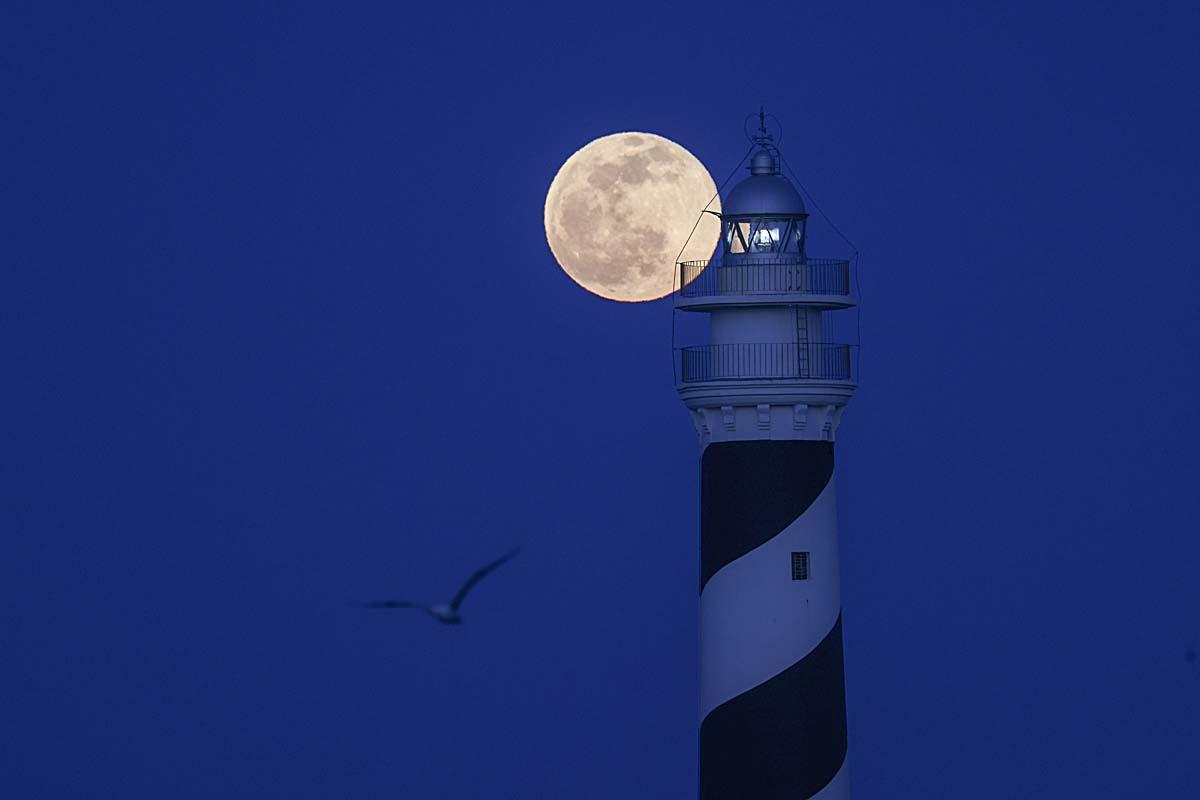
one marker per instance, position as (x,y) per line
(448,613)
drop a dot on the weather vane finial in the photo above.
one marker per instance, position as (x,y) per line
(763,136)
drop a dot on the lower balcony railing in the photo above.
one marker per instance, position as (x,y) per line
(766,276)
(735,362)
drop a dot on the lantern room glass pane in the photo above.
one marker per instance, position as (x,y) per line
(765,238)
(737,237)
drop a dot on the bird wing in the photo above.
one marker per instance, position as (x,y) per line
(478,576)
(395,604)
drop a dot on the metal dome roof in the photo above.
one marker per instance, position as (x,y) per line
(763,194)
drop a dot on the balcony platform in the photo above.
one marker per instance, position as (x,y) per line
(768,372)
(757,361)
(759,281)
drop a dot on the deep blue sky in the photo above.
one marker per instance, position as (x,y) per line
(280,331)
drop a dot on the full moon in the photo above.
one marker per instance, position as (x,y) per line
(619,210)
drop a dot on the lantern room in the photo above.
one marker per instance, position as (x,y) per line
(764,215)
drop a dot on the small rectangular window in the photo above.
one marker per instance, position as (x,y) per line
(800,566)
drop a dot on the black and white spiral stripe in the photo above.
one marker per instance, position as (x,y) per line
(772,706)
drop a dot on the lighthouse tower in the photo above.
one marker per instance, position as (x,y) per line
(767,393)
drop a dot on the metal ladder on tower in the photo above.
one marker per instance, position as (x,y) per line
(802,348)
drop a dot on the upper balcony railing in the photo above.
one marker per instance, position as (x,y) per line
(765,276)
(767,360)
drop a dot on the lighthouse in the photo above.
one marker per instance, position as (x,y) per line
(766,393)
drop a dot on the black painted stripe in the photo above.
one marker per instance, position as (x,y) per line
(785,738)
(750,491)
